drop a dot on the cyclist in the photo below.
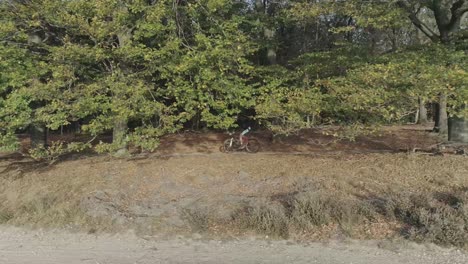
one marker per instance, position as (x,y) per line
(243,139)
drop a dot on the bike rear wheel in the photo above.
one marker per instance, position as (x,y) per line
(253,146)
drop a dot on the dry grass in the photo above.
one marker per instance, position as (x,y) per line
(197,218)
(264,219)
(435,218)
(5,216)
(440,218)
(48,211)
(279,195)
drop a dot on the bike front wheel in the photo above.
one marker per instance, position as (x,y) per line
(253,146)
(228,146)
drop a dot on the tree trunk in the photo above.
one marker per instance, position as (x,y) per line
(271,53)
(269,34)
(443,117)
(38,136)
(435,116)
(119,135)
(37,132)
(458,130)
(422,117)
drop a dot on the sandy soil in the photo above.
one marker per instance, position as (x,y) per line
(18,246)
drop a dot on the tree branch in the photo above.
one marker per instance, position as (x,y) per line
(458,9)
(417,22)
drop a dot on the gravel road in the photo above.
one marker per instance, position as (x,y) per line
(59,247)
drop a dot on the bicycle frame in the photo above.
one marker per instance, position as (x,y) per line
(234,144)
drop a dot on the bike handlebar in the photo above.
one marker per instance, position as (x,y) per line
(231,133)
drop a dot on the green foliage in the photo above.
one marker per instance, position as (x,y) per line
(50,153)
(17,69)
(9,142)
(131,61)
(282,105)
(57,149)
(143,69)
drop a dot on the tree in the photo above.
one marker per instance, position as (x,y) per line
(139,69)
(440,21)
(23,67)
(448,15)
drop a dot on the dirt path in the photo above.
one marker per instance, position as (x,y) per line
(54,247)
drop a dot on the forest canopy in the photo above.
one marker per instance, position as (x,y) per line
(141,69)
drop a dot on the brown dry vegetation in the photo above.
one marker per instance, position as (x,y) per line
(313,195)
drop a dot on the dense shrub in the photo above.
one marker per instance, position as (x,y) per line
(440,218)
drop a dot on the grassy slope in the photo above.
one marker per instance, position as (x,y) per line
(188,186)
(304,197)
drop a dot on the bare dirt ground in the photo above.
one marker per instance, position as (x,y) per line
(310,141)
(189,188)
(18,246)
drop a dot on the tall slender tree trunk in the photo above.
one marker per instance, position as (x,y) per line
(119,135)
(422,117)
(435,116)
(37,131)
(269,33)
(443,116)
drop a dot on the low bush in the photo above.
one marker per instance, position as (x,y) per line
(198,219)
(5,216)
(268,219)
(436,218)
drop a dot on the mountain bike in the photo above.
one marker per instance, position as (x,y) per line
(233,144)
